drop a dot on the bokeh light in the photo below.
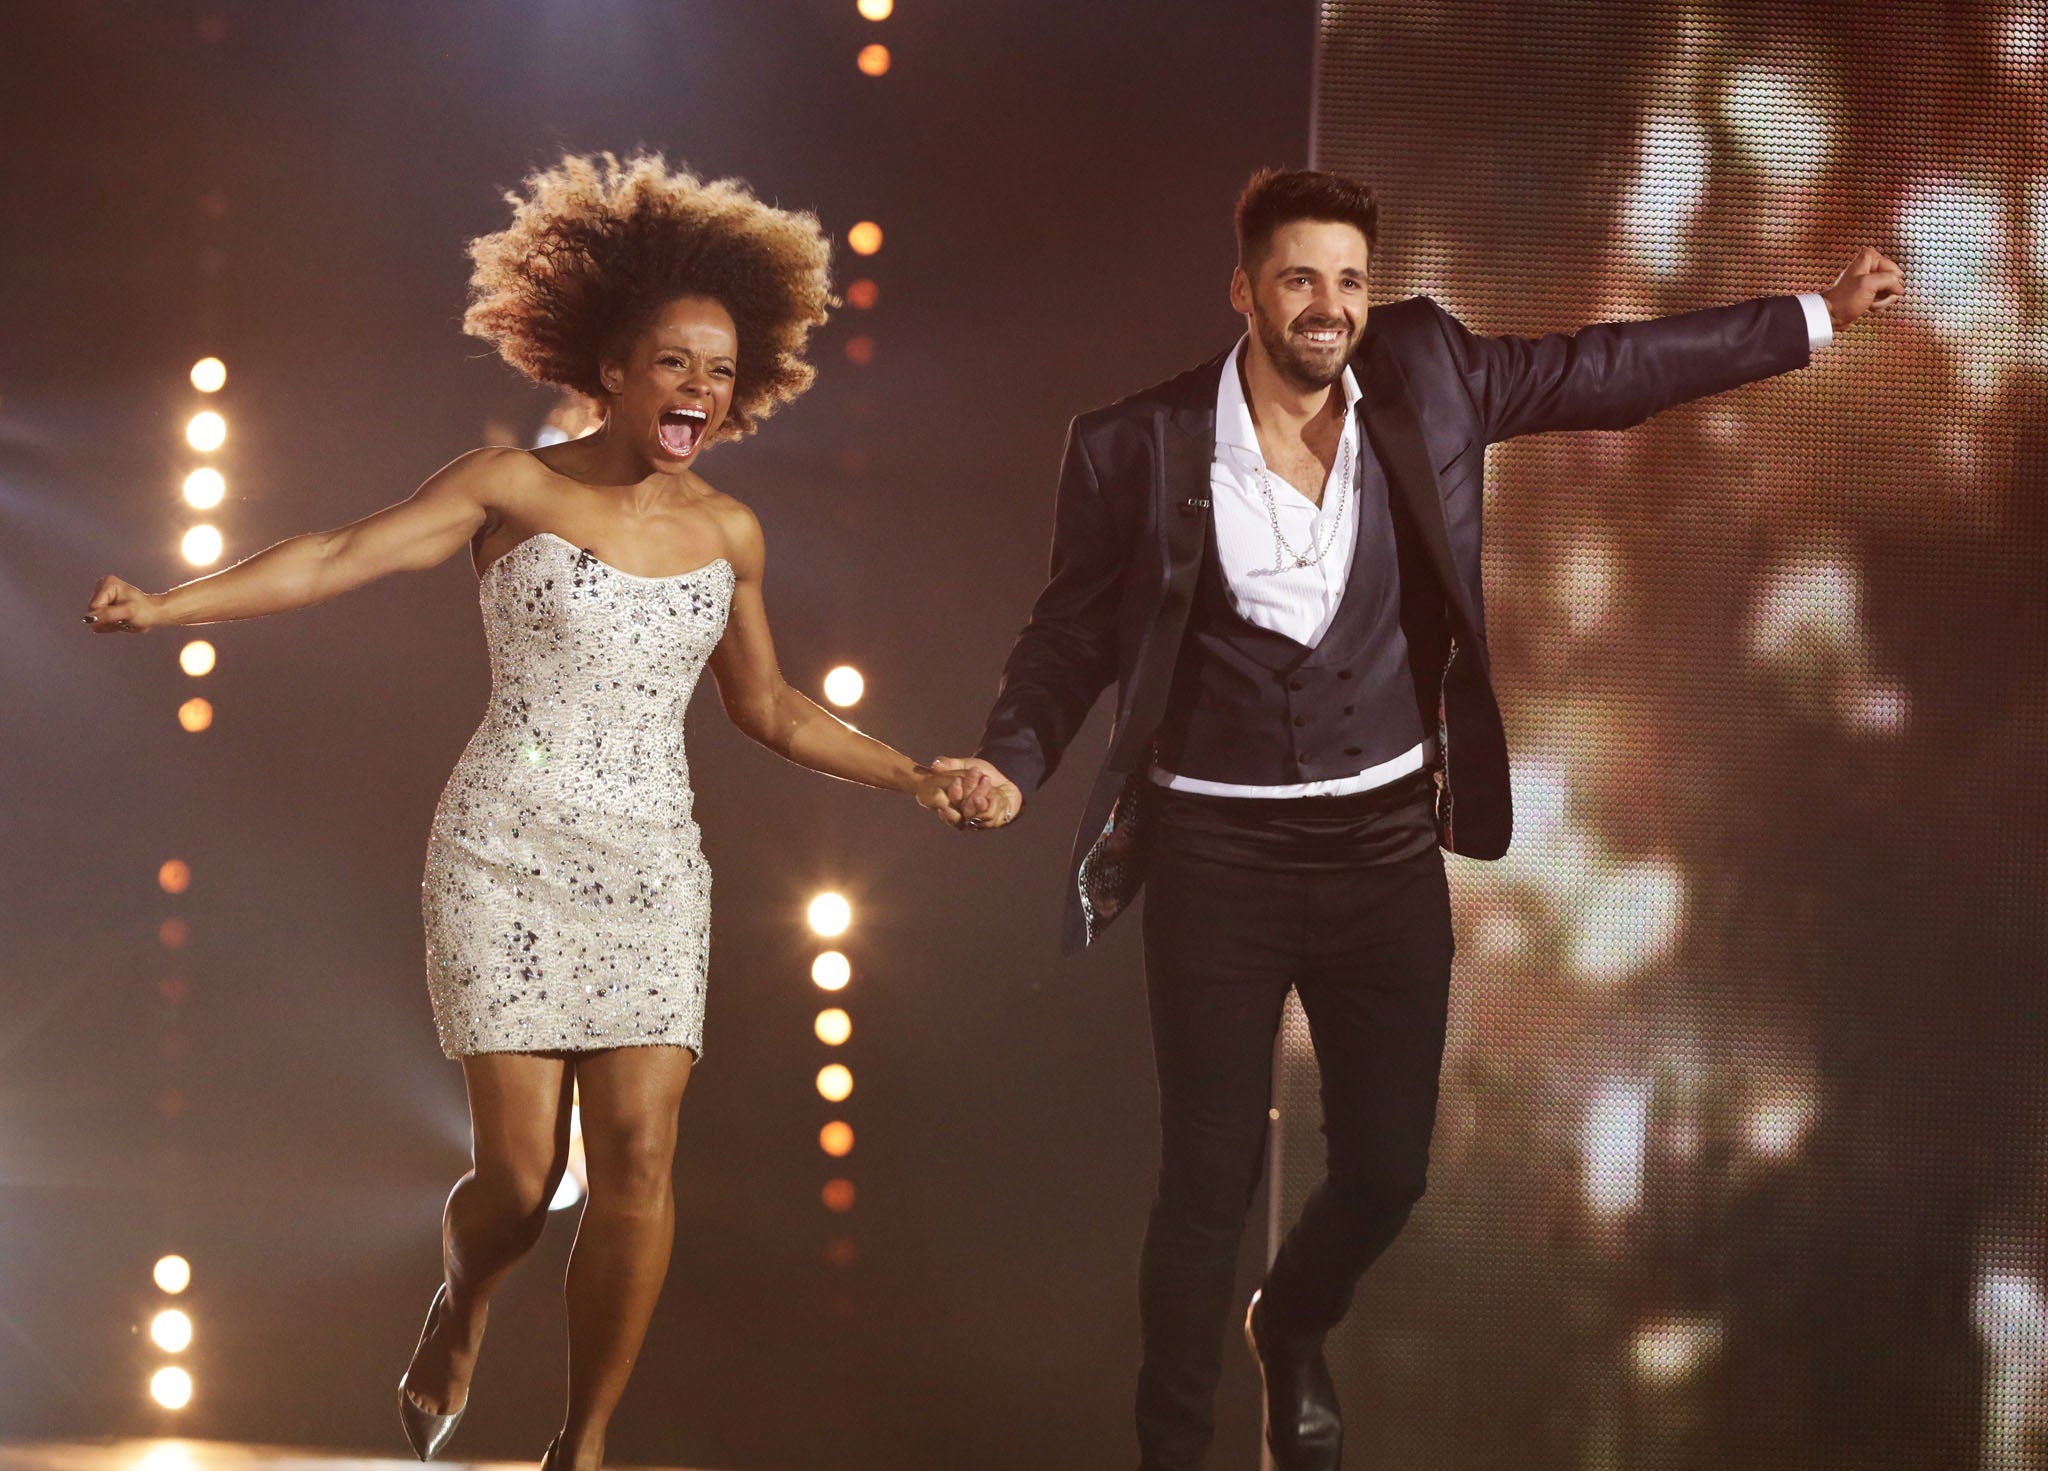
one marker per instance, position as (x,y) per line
(209,375)
(833,1026)
(171,1388)
(873,60)
(205,488)
(863,294)
(836,1139)
(844,686)
(171,1330)
(175,876)
(174,934)
(865,238)
(206,431)
(876,9)
(172,1274)
(835,1083)
(860,351)
(197,658)
(202,545)
(831,971)
(838,1196)
(195,714)
(831,915)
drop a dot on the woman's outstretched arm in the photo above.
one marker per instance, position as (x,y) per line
(763,705)
(419,532)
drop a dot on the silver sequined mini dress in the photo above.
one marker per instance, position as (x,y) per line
(566,899)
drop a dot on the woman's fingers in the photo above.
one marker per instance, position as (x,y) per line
(115,607)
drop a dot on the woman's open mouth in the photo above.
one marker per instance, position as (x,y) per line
(681,429)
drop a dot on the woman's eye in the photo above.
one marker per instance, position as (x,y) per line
(723,372)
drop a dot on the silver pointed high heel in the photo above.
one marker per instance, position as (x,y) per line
(426,1431)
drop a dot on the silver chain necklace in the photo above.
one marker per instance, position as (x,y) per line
(1282,549)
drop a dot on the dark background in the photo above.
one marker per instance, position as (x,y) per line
(1740,1159)
(1055,185)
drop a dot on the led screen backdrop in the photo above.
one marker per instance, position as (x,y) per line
(1740,1161)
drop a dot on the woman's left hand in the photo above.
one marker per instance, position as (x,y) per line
(968,793)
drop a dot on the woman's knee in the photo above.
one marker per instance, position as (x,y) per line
(520,1184)
(631,1161)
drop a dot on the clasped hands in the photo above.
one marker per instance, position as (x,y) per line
(968,794)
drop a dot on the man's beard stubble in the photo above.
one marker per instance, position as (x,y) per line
(1288,362)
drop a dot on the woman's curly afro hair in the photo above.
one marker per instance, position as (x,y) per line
(596,246)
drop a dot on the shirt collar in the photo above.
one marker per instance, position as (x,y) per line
(1234,428)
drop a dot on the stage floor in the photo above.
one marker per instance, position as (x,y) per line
(210,1455)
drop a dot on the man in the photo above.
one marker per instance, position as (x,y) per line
(1276,556)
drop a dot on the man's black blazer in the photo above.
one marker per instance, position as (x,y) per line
(1132,525)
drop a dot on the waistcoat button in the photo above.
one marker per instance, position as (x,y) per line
(1301,720)
(1343,674)
(1294,684)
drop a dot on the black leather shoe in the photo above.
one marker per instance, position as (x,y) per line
(1303,1428)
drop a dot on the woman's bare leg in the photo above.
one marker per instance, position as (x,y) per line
(519,1127)
(629,1102)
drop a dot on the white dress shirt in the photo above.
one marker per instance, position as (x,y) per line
(1302,602)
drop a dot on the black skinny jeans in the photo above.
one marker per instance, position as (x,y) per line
(1334,901)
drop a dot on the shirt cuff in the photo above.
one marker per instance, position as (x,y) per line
(1820,330)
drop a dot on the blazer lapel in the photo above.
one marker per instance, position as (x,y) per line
(1185,435)
(1396,434)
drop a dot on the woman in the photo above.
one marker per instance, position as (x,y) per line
(566,899)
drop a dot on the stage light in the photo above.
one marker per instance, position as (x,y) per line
(576,1177)
(171,1388)
(831,971)
(206,431)
(202,545)
(196,658)
(844,686)
(860,351)
(209,375)
(835,1083)
(836,1139)
(173,1274)
(1669,1352)
(839,1252)
(863,294)
(833,1026)
(175,876)
(1781,121)
(838,1196)
(830,915)
(195,715)
(1675,167)
(873,60)
(167,1455)
(876,9)
(174,934)
(171,1330)
(865,238)
(205,488)
(1614,1138)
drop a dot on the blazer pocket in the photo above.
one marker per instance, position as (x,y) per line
(1463,463)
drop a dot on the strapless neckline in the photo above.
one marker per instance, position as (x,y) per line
(586,552)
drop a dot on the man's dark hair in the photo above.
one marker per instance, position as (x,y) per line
(1277,197)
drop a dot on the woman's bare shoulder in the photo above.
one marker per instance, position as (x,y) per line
(498,477)
(737,525)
